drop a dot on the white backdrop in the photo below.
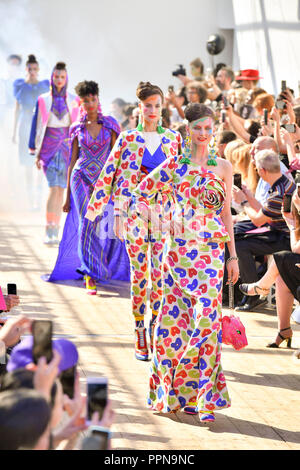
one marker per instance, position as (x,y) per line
(116,42)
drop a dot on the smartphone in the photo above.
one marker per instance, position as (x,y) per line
(223,116)
(11,289)
(171,88)
(280,104)
(225,101)
(96,396)
(67,380)
(298,189)
(283,85)
(237,180)
(103,434)
(265,117)
(291,128)
(287,202)
(42,340)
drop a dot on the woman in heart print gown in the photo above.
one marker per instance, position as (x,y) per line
(186,371)
(136,153)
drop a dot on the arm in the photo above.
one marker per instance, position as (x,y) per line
(31,144)
(74,158)
(16,118)
(277,137)
(246,195)
(238,125)
(233,271)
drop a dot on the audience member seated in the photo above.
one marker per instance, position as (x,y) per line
(284,272)
(274,233)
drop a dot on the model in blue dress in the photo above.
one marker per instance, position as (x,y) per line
(26,93)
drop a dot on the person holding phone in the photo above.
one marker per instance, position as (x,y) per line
(284,272)
(89,249)
(136,154)
(188,331)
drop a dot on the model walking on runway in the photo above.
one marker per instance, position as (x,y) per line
(136,153)
(49,141)
(88,248)
(186,371)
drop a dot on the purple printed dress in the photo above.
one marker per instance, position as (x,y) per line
(90,247)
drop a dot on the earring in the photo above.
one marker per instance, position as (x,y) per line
(187,147)
(160,129)
(140,124)
(212,161)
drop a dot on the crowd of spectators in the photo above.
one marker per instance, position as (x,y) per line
(36,412)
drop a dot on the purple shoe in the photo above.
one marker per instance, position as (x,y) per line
(206,417)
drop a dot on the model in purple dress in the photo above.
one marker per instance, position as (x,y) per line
(49,141)
(89,248)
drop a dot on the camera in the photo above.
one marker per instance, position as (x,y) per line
(180,71)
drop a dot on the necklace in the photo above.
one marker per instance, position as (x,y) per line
(91,122)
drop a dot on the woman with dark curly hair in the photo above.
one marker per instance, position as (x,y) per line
(136,153)
(87,248)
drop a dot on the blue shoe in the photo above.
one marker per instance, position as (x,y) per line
(206,417)
(141,348)
(190,410)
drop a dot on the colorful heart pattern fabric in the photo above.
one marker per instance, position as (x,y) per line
(186,367)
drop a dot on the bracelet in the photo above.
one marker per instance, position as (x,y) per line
(244,202)
(232,258)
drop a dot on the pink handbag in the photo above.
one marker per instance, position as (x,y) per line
(233,330)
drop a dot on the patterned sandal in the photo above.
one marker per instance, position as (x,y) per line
(90,285)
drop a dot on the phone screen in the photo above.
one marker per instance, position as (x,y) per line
(283,85)
(42,340)
(237,180)
(265,117)
(223,116)
(11,289)
(287,202)
(97,398)
(298,189)
(103,437)
(291,128)
(67,379)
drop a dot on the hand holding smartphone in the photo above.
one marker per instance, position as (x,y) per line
(11,289)
(97,391)
(237,180)
(42,340)
(287,203)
